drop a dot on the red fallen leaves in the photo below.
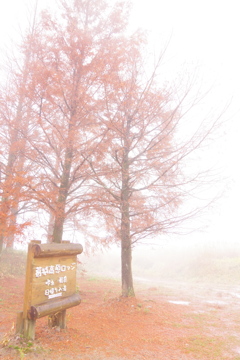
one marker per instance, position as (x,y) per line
(106,326)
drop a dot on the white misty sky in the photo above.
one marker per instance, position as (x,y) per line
(204,35)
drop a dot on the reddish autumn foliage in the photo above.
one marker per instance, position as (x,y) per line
(74,51)
(92,139)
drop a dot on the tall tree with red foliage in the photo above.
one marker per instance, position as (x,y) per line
(15,108)
(140,181)
(74,51)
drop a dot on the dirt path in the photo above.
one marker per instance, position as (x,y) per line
(166,321)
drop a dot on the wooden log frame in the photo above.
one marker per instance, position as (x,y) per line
(50,285)
(54,249)
(53,307)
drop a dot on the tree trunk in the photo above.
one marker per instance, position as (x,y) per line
(7,186)
(60,215)
(50,228)
(1,244)
(127,280)
(12,225)
(4,210)
(126,246)
(58,229)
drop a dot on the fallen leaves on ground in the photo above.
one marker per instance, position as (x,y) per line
(107,326)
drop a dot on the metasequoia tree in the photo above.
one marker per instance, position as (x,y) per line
(14,117)
(11,172)
(140,182)
(73,50)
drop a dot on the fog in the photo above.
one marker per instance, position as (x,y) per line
(202,38)
(170,260)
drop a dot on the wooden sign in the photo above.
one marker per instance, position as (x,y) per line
(53,277)
(50,286)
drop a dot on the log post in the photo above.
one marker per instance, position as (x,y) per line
(19,323)
(58,320)
(28,326)
(29,329)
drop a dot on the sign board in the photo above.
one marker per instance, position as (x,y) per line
(50,286)
(53,277)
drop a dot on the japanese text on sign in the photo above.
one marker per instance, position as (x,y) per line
(56,290)
(53,269)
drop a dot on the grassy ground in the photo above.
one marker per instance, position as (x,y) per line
(12,262)
(192,266)
(180,264)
